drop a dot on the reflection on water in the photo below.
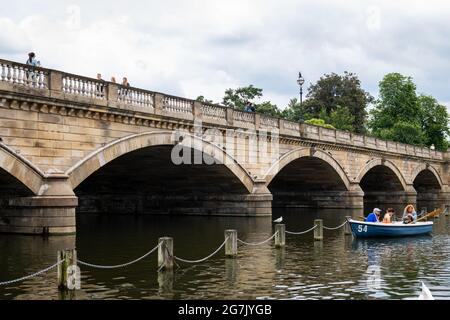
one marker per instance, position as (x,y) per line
(337,268)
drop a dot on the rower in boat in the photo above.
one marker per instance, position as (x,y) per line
(374,216)
(409,214)
(388,215)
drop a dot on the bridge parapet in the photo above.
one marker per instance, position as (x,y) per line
(41,82)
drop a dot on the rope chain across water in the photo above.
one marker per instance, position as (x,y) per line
(119,265)
(257,243)
(205,258)
(335,228)
(31,275)
(301,232)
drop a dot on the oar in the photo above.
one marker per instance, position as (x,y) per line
(428,215)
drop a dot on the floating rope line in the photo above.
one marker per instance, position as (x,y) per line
(119,265)
(301,232)
(257,243)
(205,258)
(335,228)
(31,275)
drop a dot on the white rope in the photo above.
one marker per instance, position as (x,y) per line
(205,258)
(119,265)
(31,275)
(301,232)
(258,243)
(335,228)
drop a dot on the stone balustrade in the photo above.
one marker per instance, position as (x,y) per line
(136,97)
(23,75)
(53,83)
(83,86)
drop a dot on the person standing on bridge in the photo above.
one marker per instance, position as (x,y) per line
(125,82)
(249,107)
(32,61)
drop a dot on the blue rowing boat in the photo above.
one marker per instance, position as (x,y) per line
(361,229)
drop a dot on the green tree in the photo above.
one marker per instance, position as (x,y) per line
(203,99)
(236,98)
(268,108)
(434,122)
(404,132)
(340,118)
(398,102)
(296,112)
(320,123)
(333,91)
(401,115)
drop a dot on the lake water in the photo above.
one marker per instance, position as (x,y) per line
(339,267)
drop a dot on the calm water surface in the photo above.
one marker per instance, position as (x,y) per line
(337,268)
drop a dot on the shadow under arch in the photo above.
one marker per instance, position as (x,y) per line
(299,153)
(382,163)
(426,167)
(384,186)
(310,178)
(428,185)
(99,158)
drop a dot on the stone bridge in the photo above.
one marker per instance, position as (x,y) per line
(75,144)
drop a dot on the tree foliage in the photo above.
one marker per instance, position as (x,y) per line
(203,99)
(320,123)
(434,122)
(338,99)
(237,98)
(401,115)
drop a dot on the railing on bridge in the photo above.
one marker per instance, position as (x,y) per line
(69,87)
(23,75)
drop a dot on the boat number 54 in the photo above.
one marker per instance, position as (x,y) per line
(362,228)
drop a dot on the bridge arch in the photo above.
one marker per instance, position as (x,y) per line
(299,153)
(310,178)
(18,170)
(372,164)
(426,168)
(99,158)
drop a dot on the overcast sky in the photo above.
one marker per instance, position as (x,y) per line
(197,47)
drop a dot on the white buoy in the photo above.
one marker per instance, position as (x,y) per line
(280,219)
(425,294)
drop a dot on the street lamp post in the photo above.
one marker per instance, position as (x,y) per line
(300,82)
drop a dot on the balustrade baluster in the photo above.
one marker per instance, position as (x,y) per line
(14,74)
(8,76)
(3,75)
(20,75)
(41,79)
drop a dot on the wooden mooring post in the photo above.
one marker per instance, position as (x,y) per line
(318,231)
(165,254)
(68,271)
(231,243)
(280,236)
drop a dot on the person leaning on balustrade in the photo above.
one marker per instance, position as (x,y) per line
(33,62)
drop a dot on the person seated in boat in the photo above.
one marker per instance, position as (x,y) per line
(374,216)
(388,215)
(409,214)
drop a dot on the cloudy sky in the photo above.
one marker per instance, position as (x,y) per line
(202,47)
